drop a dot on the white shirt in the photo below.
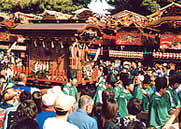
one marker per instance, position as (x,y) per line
(53,123)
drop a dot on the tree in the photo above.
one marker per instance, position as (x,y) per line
(37,6)
(154,5)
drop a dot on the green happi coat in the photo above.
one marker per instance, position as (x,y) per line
(159,110)
(98,95)
(117,90)
(137,92)
(146,99)
(122,101)
(174,100)
(71,90)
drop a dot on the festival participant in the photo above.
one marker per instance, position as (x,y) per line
(134,107)
(147,92)
(71,89)
(112,76)
(101,85)
(48,101)
(124,96)
(85,108)
(138,87)
(165,69)
(159,104)
(118,87)
(174,101)
(63,107)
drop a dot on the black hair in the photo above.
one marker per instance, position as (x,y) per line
(160,83)
(37,97)
(60,112)
(174,78)
(134,106)
(136,125)
(25,95)
(27,110)
(26,124)
(147,79)
(2,76)
(107,94)
(127,82)
(87,91)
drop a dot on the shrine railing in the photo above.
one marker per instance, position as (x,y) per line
(55,76)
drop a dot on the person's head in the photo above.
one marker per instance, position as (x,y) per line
(48,100)
(109,110)
(134,65)
(116,71)
(108,84)
(86,103)
(136,125)
(161,85)
(2,78)
(22,77)
(27,110)
(128,84)
(63,105)
(37,98)
(146,81)
(26,124)
(134,106)
(74,82)
(25,95)
(87,91)
(10,94)
(107,94)
(139,79)
(175,80)
(113,63)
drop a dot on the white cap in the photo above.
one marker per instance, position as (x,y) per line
(48,99)
(64,102)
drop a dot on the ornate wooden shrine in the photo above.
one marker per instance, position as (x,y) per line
(56,49)
(133,36)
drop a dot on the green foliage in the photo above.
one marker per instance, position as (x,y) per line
(154,5)
(37,6)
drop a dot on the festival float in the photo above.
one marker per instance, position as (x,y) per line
(167,22)
(11,45)
(154,38)
(57,47)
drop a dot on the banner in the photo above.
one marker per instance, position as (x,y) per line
(169,41)
(127,38)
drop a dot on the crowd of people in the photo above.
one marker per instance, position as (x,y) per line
(127,95)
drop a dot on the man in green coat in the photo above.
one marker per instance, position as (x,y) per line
(124,96)
(71,89)
(158,107)
(174,101)
(101,85)
(118,87)
(147,93)
(138,88)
